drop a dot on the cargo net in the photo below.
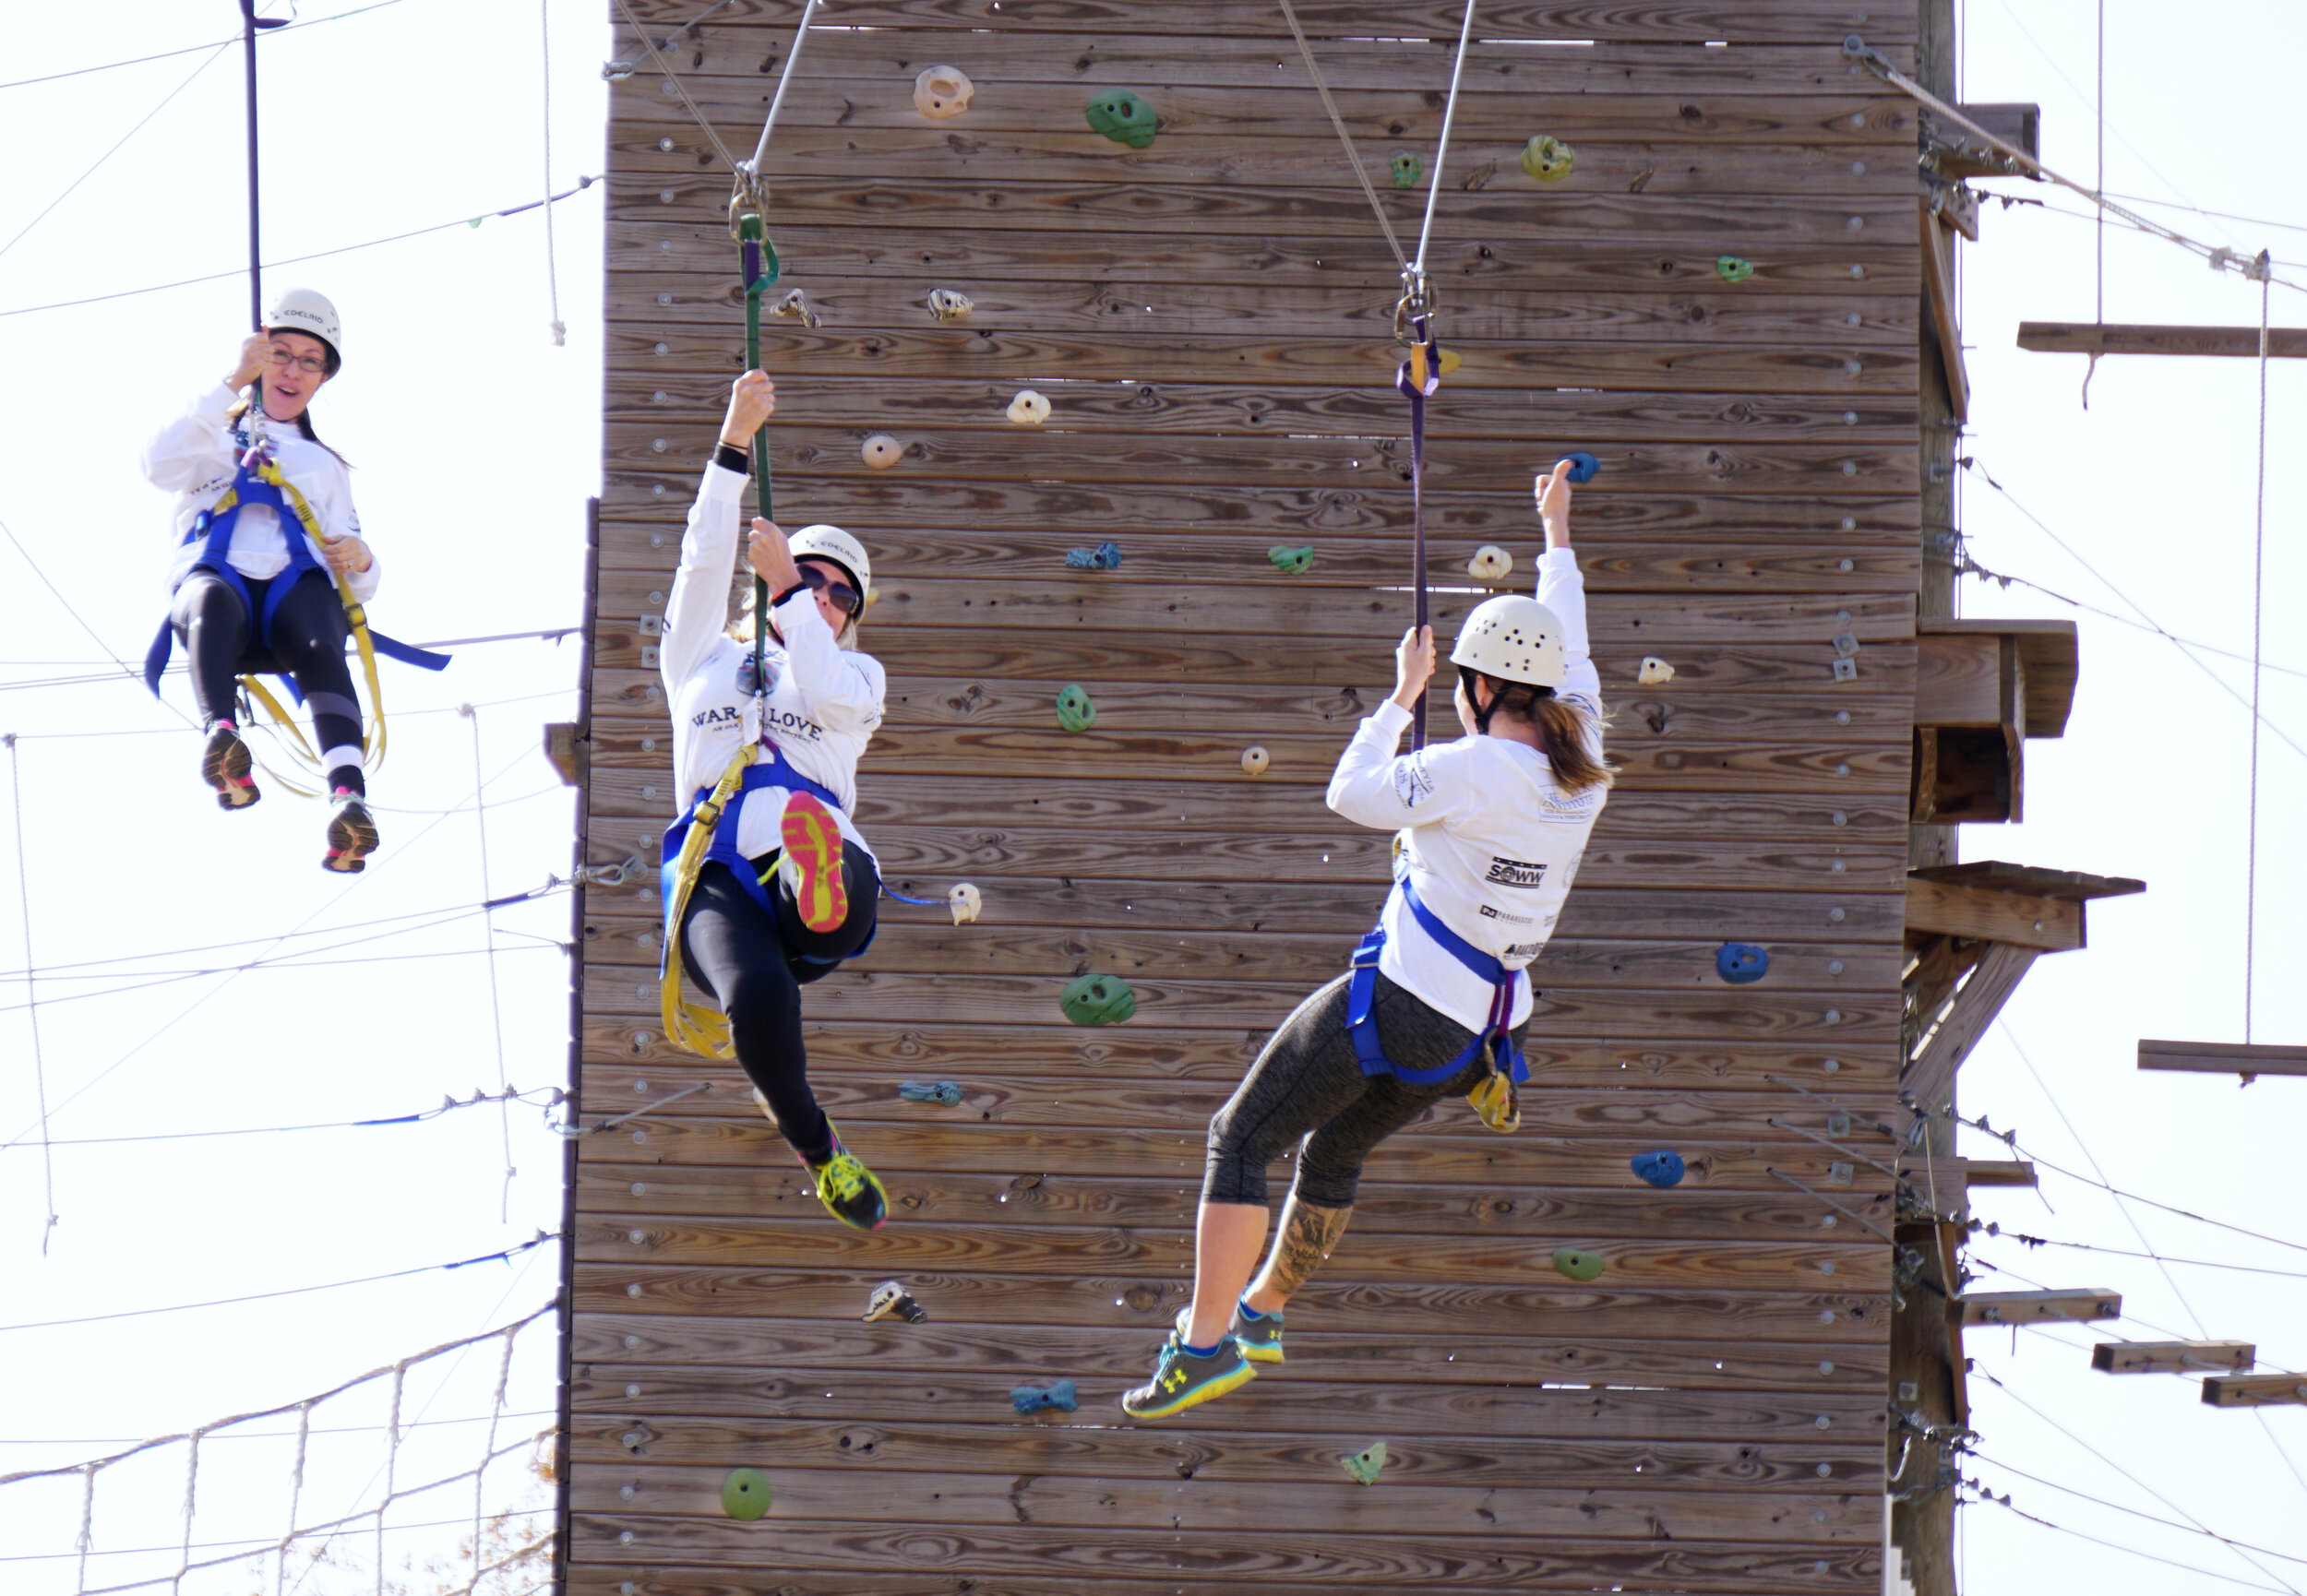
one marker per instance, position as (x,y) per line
(359,1491)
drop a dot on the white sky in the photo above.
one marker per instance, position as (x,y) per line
(477,443)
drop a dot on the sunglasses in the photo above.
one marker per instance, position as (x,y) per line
(846,598)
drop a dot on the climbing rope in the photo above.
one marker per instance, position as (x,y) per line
(1441,148)
(777,103)
(32,998)
(496,1005)
(552,268)
(2098,229)
(704,125)
(1353,158)
(2264,269)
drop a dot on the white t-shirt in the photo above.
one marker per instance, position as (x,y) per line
(823,704)
(1491,842)
(197,455)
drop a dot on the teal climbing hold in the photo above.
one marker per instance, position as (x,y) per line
(1075,712)
(1059,1396)
(1575,1265)
(1407,170)
(744,1494)
(1122,117)
(1365,1464)
(1289,560)
(1095,999)
(1107,557)
(1733,269)
(948,1092)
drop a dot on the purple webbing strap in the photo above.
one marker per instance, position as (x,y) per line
(1417,394)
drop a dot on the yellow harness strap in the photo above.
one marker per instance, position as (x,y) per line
(703,1030)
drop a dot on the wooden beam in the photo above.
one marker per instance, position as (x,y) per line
(2110,337)
(2171,1357)
(2049,656)
(1938,278)
(1958,909)
(2222,1058)
(2254,1390)
(1932,1074)
(2042,1307)
(2032,880)
(1973,1171)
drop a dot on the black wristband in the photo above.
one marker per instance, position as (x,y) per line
(777,599)
(729,458)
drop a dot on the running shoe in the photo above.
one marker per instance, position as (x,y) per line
(225,766)
(352,836)
(1259,1339)
(850,1192)
(1182,1379)
(810,864)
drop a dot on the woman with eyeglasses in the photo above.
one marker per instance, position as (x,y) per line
(250,588)
(785,887)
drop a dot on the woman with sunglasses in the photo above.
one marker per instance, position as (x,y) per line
(251,589)
(785,889)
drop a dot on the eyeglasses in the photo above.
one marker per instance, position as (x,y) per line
(311,363)
(845,598)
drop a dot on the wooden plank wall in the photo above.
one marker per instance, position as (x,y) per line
(1211,318)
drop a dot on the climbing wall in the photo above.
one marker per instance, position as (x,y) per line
(1210,316)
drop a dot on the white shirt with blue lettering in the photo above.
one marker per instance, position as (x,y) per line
(824,701)
(1491,842)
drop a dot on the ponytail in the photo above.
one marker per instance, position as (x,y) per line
(1568,735)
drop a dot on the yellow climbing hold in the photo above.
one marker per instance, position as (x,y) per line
(1547,159)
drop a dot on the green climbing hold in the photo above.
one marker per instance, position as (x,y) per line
(1547,159)
(1576,1264)
(1733,269)
(1095,999)
(1290,561)
(1364,1465)
(744,1494)
(1075,712)
(1407,170)
(1122,117)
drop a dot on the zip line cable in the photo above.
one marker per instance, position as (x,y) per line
(1441,148)
(582,184)
(1971,567)
(2118,1507)
(268,1542)
(126,670)
(505,1255)
(172,979)
(421,1117)
(267,1435)
(195,48)
(2034,1240)
(31,1001)
(1353,156)
(497,1005)
(552,266)
(2118,1546)
(2258,605)
(752,168)
(704,125)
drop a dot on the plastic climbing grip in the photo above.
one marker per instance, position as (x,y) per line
(1547,159)
(1095,999)
(1289,560)
(1742,962)
(1364,1465)
(1057,1397)
(1122,117)
(1407,170)
(948,1092)
(1075,712)
(1107,557)
(1660,1168)
(1574,1264)
(1583,467)
(1733,269)
(744,1494)
(891,1300)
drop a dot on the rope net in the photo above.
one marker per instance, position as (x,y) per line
(358,1491)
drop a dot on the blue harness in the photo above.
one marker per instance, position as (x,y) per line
(1497,1033)
(214,530)
(770,768)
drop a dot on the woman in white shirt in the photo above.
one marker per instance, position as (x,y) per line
(250,588)
(768,883)
(1491,829)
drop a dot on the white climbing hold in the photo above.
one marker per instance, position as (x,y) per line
(942,92)
(964,902)
(1655,672)
(881,451)
(950,304)
(1029,409)
(1254,760)
(796,305)
(1490,563)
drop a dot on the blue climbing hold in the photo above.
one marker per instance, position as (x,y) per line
(948,1092)
(1107,557)
(1583,466)
(1057,1397)
(1741,962)
(1660,1168)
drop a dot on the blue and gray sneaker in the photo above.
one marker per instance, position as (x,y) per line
(1259,1339)
(1182,1379)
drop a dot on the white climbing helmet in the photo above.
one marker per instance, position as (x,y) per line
(302,310)
(1514,640)
(827,542)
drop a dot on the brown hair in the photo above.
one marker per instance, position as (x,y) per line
(303,417)
(1568,735)
(741,625)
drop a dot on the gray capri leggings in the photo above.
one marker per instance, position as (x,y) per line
(1307,1083)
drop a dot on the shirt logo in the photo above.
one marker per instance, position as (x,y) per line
(1411,784)
(1525,950)
(1515,873)
(726,715)
(1490,913)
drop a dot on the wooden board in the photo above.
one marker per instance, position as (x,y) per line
(2223,1058)
(1212,319)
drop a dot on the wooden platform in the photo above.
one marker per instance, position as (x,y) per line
(1210,317)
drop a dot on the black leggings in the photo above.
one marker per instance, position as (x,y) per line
(755,970)
(1307,1083)
(309,634)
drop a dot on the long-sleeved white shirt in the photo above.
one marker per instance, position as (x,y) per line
(1491,842)
(823,704)
(196,456)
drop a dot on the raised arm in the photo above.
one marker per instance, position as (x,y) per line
(1372,788)
(842,687)
(699,606)
(1562,589)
